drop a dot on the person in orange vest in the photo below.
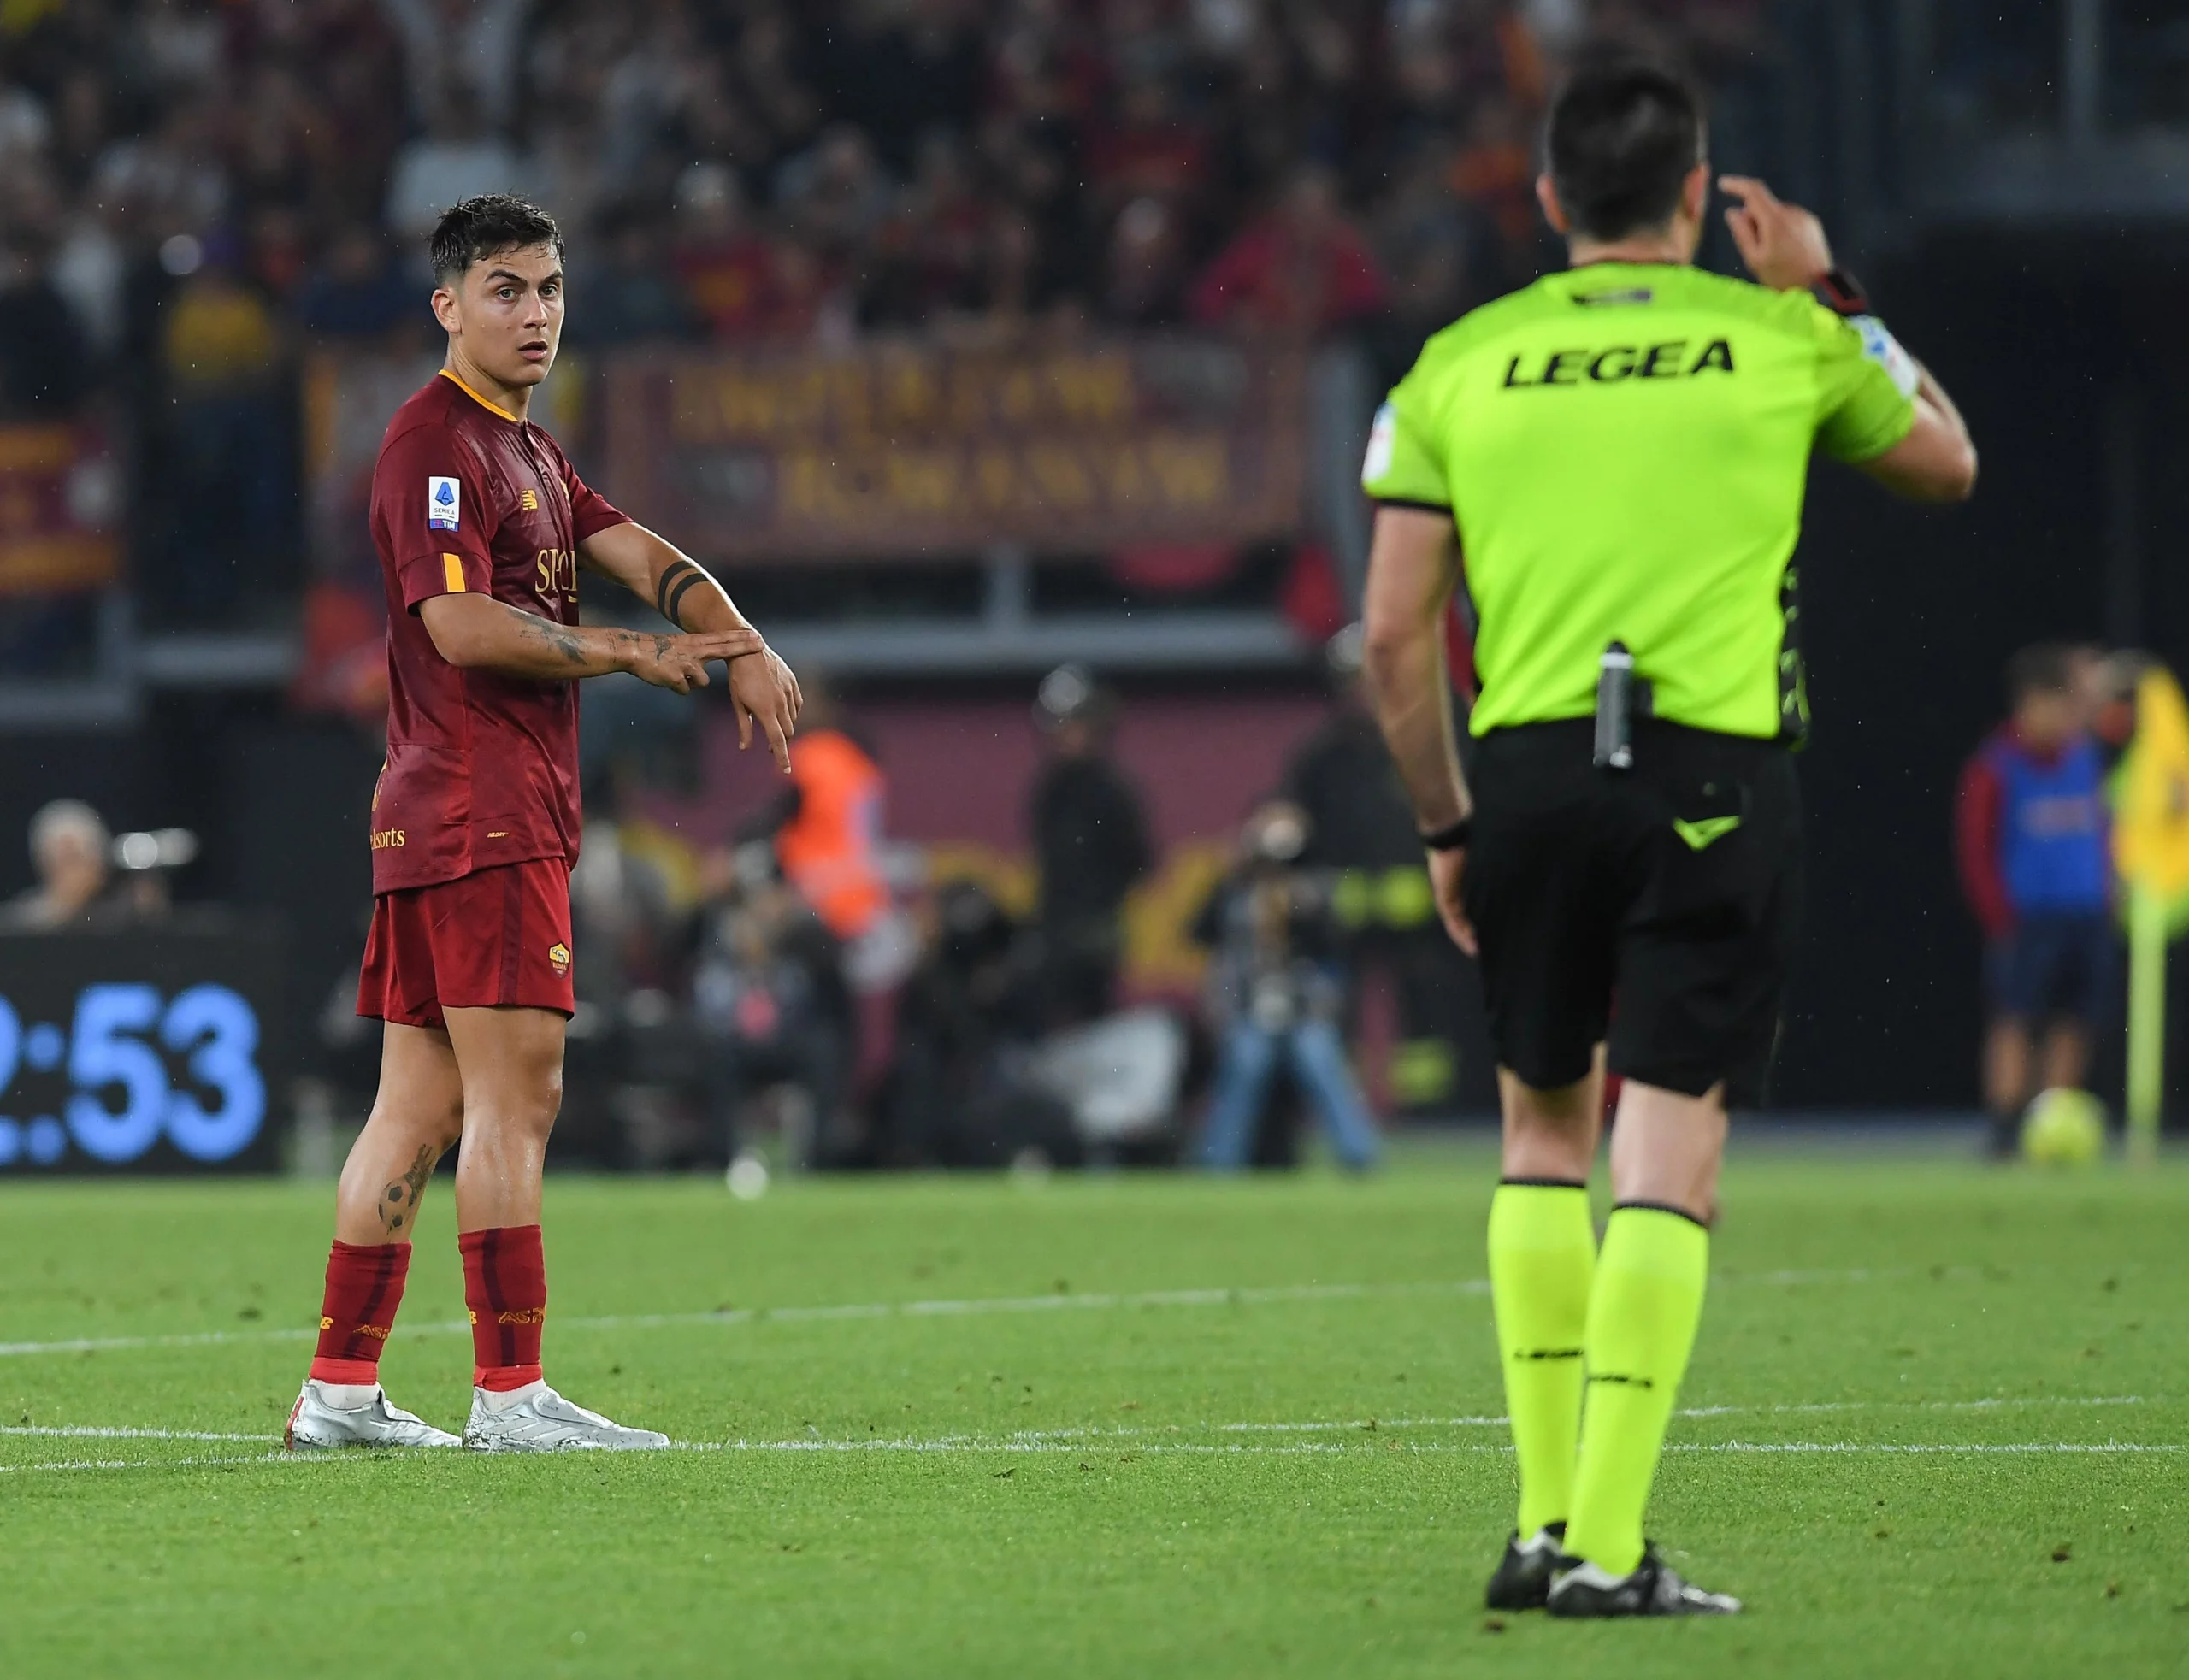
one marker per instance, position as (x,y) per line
(827,827)
(830,826)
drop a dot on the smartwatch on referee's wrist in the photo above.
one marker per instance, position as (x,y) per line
(1839,291)
(1453,837)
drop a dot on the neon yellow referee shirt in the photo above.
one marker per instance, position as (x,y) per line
(1623,448)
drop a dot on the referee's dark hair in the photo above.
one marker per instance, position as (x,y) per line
(483,226)
(1623,133)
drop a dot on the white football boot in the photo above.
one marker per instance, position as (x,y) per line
(536,1419)
(329,1415)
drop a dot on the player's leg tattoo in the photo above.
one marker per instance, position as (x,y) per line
(399,1202)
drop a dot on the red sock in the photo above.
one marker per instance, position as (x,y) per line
(506,1287)
(364,1286)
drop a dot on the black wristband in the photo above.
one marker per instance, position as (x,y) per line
(1452,838)
(1841,292)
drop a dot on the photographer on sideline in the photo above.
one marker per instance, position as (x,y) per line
(1274,989)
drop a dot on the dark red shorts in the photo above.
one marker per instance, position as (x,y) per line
(495,936)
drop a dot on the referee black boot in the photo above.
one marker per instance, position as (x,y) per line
(1523,1578)
(1581,1590)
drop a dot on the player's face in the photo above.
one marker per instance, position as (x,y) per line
(2047,717)
(508,314)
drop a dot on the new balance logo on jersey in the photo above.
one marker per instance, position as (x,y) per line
(443,504)
(1677,359)
(515,1315)
(528,500)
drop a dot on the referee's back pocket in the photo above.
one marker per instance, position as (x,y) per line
(1709,873)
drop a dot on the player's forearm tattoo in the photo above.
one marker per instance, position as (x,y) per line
(560,637)
(678,579)
(399,1203)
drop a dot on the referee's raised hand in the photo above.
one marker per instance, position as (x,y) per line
(1782,244)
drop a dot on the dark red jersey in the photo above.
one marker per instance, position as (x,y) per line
(482,769)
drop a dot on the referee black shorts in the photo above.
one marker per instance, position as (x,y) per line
(1655,906)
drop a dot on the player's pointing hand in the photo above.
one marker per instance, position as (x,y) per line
(1782,244)
(766,693)
(680,663)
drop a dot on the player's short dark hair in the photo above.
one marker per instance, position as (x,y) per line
(486,225)
(1623,133)
(2042,668)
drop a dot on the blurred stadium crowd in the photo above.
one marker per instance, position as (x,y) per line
(193,191)
(757,169)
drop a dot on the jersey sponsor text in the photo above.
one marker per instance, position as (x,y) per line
(1670,360)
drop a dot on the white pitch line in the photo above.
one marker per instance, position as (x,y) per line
(91,1464)
(96,1432)
(1072,1440)
(916,1309)
(170,1464)
(1922,1447)
(1237,1449)
(1305,1448)
(104,1344)
(1992,1403)
(1373,1426)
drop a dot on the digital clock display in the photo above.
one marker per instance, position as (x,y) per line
(137,1051)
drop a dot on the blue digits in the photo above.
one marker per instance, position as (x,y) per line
(100,1055)
(219,1029)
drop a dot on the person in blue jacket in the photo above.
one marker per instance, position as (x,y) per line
(2034,849)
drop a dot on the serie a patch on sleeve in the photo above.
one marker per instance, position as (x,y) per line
(443,502)
(1381,437)
(1882,348)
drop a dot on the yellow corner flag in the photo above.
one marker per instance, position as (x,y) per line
(2151,847)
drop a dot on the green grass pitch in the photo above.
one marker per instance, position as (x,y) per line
(1116,1426)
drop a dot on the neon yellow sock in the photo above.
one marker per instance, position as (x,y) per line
(1542,1253)
(1641,1318)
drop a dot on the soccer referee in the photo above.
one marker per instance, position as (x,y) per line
(1614,460)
